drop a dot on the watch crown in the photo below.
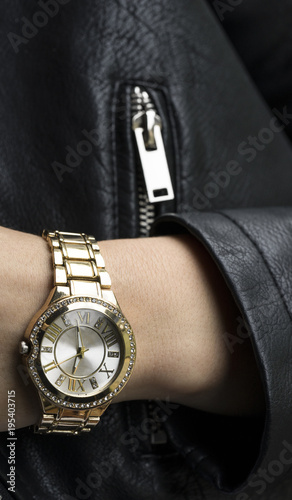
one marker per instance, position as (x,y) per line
(23,347)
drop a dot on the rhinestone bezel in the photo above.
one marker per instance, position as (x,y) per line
(33,359)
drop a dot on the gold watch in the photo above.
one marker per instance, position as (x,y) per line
(79,348)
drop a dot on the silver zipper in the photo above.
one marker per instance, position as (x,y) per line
(155,176)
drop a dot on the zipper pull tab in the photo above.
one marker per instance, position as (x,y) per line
(146,124)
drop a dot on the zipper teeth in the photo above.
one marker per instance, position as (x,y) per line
(140,101)
(146,212)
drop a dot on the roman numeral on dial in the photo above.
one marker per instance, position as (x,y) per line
(84,317)
(109,336)
(75,384)
(106,370)
(52,332)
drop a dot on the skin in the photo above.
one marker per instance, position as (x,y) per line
(179,307)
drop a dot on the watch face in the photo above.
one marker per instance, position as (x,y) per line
(83,352)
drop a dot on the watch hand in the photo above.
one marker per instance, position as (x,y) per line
(78,346)
(76,363)
(80,339)
(80,349)
(71,357)
(64,361)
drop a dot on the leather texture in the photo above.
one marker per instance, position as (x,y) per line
(70,80)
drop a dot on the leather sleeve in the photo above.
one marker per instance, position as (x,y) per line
(252,248)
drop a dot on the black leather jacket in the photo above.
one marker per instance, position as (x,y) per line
(68,161)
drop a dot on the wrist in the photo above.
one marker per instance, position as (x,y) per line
(26,281)
(157,284)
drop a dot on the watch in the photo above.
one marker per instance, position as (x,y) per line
(79,349)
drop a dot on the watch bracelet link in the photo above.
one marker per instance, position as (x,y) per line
(78,270)
(79,266)
(64,422)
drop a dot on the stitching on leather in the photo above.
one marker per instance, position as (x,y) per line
(243,230)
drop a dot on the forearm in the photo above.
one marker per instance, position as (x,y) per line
(179,308)
(181,312)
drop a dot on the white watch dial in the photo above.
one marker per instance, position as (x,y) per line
(80,352)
